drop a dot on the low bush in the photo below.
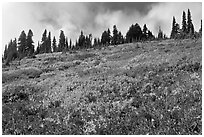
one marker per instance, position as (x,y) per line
(30,72)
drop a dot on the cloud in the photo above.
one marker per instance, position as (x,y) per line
(91,17)
(162,15)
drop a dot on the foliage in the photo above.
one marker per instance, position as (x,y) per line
(30,72)
(128,90)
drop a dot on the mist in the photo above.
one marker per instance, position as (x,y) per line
(91,18)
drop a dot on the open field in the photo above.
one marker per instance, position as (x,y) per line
(138,88)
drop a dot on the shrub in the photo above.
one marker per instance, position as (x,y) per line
(30,72)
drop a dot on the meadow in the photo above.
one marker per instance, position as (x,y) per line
(143,88)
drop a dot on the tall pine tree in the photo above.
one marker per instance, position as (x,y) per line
(190,27)
(184,24)
(61,46)
(144,32)
(44,42)
(173,31)
(66,44)
(70,44)
(48,43)
(30,46)
(54,45)
(115,37)
(5,52)
(22,45)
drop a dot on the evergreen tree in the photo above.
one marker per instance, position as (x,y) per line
(120,36)
(115,37)
(44,42)
(104,38)
(30,46)
(98,42)
(109,37)
(184,24)
(76,45)
(144,32)
(82,39)
(48,43)
(95,42)
(190,27)
(22,45)
(9,53)
(200,30)
(54,46)
(70,44)
(160,34)
(134,33)
(173,31)
(61,46)
(12,51)
(150,35)
(38,49)
(5,52)
(66,44)
(90,41)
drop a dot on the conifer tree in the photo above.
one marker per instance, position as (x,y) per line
(95,42)
(173,31)
(5,52)
(115,36)
(81,43)
(134,33)
(22,45)
(38,49)
(190,27)
(70,44)
(61,46)
(144,32)
(104,38)
(48,43)
(200,30)
(12,51)
(54,46)
(30,46)
(160,33)
(44,42)
(66,44)
(120,38)
(184,24)
(109,37)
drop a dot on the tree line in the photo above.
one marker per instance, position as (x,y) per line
(24,46)
(187,29)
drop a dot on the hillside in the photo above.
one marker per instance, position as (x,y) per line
(138,88)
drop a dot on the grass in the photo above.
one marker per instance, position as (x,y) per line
(23,73)
(156,91)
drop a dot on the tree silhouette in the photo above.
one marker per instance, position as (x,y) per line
(81,43)
(5,52)
(61,46)
(54,45)
(134,33)
(29,46)
(70,44)
(184,24)
(160,33)
(190,27)
(115,37)
(173,31)
(22,45)
(144,32)
(48,43)
(12,51)
(44,42)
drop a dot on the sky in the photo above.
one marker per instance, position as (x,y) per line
(91,17)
